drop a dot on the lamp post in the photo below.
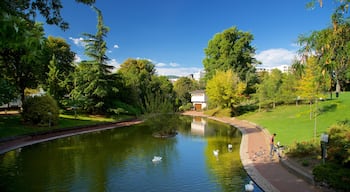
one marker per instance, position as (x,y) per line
(324,141)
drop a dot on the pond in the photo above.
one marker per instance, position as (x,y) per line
(121,159)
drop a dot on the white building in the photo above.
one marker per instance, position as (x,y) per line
(199,99)
(283,68)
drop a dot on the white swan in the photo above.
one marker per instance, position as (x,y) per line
(156,159)
(216,152)
(249,186)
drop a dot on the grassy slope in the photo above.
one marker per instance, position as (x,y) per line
(292,123)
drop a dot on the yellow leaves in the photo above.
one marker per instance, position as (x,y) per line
(225,89)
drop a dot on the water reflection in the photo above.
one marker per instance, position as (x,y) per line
(121,160)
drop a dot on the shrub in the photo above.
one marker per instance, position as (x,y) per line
(339,144)
(40,110)
(333,175)
(301,149)
(185,107)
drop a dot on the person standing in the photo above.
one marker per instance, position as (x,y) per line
(272,144)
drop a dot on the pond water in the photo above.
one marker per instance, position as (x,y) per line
(121,160)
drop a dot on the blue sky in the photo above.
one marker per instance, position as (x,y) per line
(174,33)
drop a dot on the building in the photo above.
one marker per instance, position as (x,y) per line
(282,68)
(199,99)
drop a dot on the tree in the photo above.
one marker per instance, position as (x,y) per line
(28,9)
(21,60)
(7,91)
(225,89)
(137,75)
(182,87)
(230,50)
(94,79)
(288,89)
(60,66)
(269,89)
(309,86)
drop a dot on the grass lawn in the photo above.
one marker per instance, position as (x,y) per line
(292,123)
(10,125)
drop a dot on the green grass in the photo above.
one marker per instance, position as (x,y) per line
(10,125)
(292,123)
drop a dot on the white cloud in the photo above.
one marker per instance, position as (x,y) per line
(160,64)
(276,57)
(174,64)
(180,71)
(116,46)
(114,63)
(77,59)
(78,41)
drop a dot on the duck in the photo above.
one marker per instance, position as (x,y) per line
(156,159)
(250,186)
(216,152)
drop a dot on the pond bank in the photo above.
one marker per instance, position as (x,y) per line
(31,139)
(266,172)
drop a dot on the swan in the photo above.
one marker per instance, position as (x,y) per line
(249,186)
(216,152)
(156,159)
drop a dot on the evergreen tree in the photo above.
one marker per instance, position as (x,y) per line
(94,79)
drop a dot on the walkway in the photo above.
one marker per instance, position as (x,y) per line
(268,173)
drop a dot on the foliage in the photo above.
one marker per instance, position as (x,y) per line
(21,51)
(186,107)
(156,102)
(94,80)
(333,175)
(268,91)
(331,48)
(305,148)
(339,144)
(126,108)
(225,89)
(7,91)
(141,82)
(219,112)
(40,110)
(182,87)
(60,68)
(28,9)
(310,85)
(230,50)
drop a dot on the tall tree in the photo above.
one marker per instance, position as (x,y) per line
(94,80)
(310,86)
(230,50)
(137,74)
(21,60)
(60,67)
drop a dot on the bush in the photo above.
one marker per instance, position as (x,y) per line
(339,144)
(186,107)
(302,149)
(332,175)
(40,110)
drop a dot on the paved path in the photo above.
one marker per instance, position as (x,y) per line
(266,172)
